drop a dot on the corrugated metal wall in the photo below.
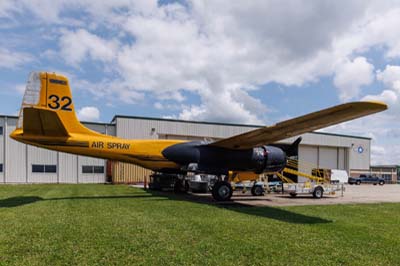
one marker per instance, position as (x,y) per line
(15,156)
(152,129)
(2,146)
(41,156)
(67,168)
(123,173)
(360,154)
(19,158)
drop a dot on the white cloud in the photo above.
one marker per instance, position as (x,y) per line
(20,88)
(224,48)
(220,51)
(76,46)
(12,59)
(89,113)
(390,77)
(7,7)
(351,75)
(106,90)
(386,96)
(385,154)
(158,105)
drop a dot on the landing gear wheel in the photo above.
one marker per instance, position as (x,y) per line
(222,191)
(178,186)
(318,192)
(187,187)
(257,191)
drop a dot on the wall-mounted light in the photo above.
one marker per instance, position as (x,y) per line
(153,131)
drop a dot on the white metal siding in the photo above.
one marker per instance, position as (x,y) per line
(91,178)
(67,168)
(308,159)
(143,129)
(328,158)
(360,160)
(110,130)
(342,159)
(101,128)
(44,157)
(15,161)
(2,140)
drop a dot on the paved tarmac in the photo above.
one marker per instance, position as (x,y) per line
(353,194)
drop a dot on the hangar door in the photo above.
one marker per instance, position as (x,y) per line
(322,157)
(328,158)
(308,159)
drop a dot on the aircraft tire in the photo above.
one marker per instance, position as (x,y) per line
(257,191)
(318,192)
(187,187)
(178,186)
(222,191)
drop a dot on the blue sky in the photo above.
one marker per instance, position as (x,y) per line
(227,61)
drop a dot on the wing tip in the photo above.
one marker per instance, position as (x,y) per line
(377,105)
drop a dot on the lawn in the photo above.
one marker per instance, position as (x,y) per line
(121,225)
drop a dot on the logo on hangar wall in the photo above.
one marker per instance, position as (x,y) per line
(360,149)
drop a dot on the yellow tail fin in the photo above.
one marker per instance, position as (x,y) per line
(47,107)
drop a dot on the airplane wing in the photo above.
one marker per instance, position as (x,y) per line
(300,125)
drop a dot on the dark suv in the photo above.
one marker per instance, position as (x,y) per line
(367,179)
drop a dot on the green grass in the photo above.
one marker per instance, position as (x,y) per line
(120,225)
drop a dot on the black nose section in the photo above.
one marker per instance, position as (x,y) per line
(183,153)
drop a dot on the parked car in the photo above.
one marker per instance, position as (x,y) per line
(366,179)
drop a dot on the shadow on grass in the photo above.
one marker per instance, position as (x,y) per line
(24,200)
(278,214)
(18,201)
(266,212)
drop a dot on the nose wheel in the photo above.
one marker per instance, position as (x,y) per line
(222,191)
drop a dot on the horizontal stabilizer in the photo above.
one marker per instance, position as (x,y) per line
(42,122)
(302,124)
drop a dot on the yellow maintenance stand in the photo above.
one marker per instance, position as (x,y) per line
(317,185)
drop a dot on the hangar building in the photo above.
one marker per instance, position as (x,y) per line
(20,163)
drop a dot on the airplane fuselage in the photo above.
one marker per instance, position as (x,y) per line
(146,153)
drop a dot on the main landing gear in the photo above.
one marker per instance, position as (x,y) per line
(222,191)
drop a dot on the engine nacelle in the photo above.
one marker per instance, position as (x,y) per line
(216,160)
(269,159)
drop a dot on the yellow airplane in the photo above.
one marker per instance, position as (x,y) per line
(47,119)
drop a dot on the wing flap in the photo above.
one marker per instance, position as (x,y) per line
(302,124)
